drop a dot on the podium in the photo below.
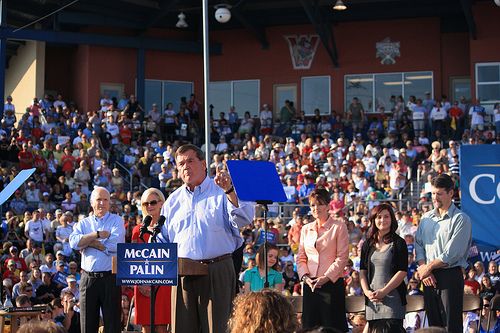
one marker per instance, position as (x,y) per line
(147,264)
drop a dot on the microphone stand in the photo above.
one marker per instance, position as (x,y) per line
(154,291)
(264,204)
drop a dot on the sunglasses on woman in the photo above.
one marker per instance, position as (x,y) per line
(150,203)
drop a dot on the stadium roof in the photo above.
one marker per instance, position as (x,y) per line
(131,21)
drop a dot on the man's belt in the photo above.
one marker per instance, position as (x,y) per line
(98,274)
(216,259)
(198,267)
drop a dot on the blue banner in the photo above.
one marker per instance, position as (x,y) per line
(147,264)
(480,188)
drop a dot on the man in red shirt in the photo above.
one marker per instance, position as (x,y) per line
(12,272)
(39,162)
(68,161)
(126,134)
(21,138)
(455,113)
(25,157)
(37,131)
(13,257)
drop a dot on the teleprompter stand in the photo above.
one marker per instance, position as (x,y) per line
(257,181)
(153,289)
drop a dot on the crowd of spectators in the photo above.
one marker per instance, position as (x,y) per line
(362,159)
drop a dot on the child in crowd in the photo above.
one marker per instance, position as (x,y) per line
(256,277)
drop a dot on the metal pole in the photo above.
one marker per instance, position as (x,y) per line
(152,301)
(141,80)
(266,264)
(3,54)
(206,77)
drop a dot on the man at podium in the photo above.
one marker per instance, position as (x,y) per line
(203,216)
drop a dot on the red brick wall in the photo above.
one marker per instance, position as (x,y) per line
(423,47)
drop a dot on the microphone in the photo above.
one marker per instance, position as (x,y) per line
(157,229)
(144,228)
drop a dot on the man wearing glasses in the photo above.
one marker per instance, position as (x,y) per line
(16,289)
(96,237)
(73,270)
(25,291)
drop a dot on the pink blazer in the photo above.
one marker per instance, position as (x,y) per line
(326,255)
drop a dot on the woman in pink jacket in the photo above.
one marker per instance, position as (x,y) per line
(322,256)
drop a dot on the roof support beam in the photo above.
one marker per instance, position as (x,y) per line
(165,7)
(109,40)
(258,32)
(143,3)
(323,29)
(471,23)
(96,19)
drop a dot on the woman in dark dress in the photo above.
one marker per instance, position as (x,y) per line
(384,261)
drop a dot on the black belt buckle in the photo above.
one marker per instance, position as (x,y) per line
(98,274)
(207,261)
(214,260)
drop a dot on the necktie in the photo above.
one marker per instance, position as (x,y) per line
(418,322)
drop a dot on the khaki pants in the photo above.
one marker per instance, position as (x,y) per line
(204,303)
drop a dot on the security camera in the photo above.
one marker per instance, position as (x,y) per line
(222,13)
(497,2)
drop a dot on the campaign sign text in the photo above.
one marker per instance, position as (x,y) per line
(480,188)
(147,264)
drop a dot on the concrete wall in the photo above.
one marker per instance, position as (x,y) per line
(25,77)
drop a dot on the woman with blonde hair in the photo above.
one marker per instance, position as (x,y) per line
(151,202)
(266,311)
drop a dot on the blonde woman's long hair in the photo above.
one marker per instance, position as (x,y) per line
(146,193)
(265,311)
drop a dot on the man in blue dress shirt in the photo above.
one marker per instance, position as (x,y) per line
(442,245)
(96,237)
(204,216)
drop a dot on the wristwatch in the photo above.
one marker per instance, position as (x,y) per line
(304,277)
(230,190)
(98,236)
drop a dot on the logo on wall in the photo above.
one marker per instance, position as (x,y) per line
(387,51)
(302,49)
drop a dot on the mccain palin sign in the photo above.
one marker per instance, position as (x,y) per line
(480,187)
(147,264)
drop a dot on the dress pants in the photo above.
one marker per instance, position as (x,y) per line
(99,293)
(204,303)
(325,306)
(444,304)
